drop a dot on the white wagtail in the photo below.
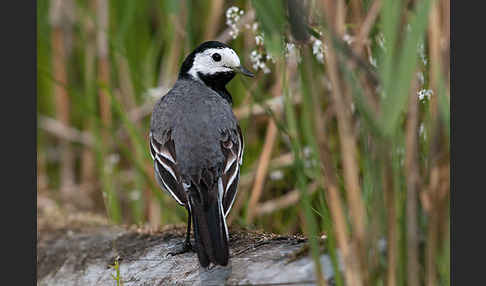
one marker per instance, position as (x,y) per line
(197,147)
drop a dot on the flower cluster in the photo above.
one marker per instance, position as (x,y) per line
(259,61)
(425,94)
(233,15)
(318,49)
(259,57)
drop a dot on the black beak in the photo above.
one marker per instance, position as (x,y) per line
(244,71)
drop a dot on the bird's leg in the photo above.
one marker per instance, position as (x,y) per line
(187,246)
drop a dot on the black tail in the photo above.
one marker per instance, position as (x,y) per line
(210,231)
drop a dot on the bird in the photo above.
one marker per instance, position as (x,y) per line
(197,147)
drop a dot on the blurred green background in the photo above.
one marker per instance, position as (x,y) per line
(346,124)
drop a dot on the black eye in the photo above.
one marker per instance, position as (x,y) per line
(216,57)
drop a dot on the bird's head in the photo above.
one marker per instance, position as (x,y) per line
(214,63)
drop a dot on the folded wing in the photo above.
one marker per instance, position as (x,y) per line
(233,147)
(165,166)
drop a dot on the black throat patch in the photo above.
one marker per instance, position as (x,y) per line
(217,82)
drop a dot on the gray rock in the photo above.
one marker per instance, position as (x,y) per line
(83,256)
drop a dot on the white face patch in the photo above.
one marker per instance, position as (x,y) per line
(205,63)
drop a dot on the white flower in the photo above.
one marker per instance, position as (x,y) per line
(254,27)
(233,15)
(425,94)
(259,39)
(276,175)
(318,49)
(258,61)
(306,151)
(348,39)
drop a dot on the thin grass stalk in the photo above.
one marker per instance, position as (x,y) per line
(245,183)
(366,26)
(348,148)
(356,7)
(332,245)
(60,23)
(349,157)
(110,198)
(169,67)
(262,169)
(372,102)
(103,78)
(127,98)
(389,21)
(311,224)
(432,236)
(284,201)
(434,55)
(446,37)
(330,181)
(339,23)
(312,109)
(412,176)
(88,163)
(102,16)
(402,69)
(432,231)
(42,176)
(213,20)
(392,246)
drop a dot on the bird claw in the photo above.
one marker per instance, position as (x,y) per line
(187,247)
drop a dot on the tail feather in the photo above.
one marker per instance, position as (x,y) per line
(210,231)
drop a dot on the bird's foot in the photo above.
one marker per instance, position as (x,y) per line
(186,247)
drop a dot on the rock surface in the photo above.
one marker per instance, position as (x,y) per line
(83,257)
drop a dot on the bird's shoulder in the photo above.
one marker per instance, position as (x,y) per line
(193,103)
